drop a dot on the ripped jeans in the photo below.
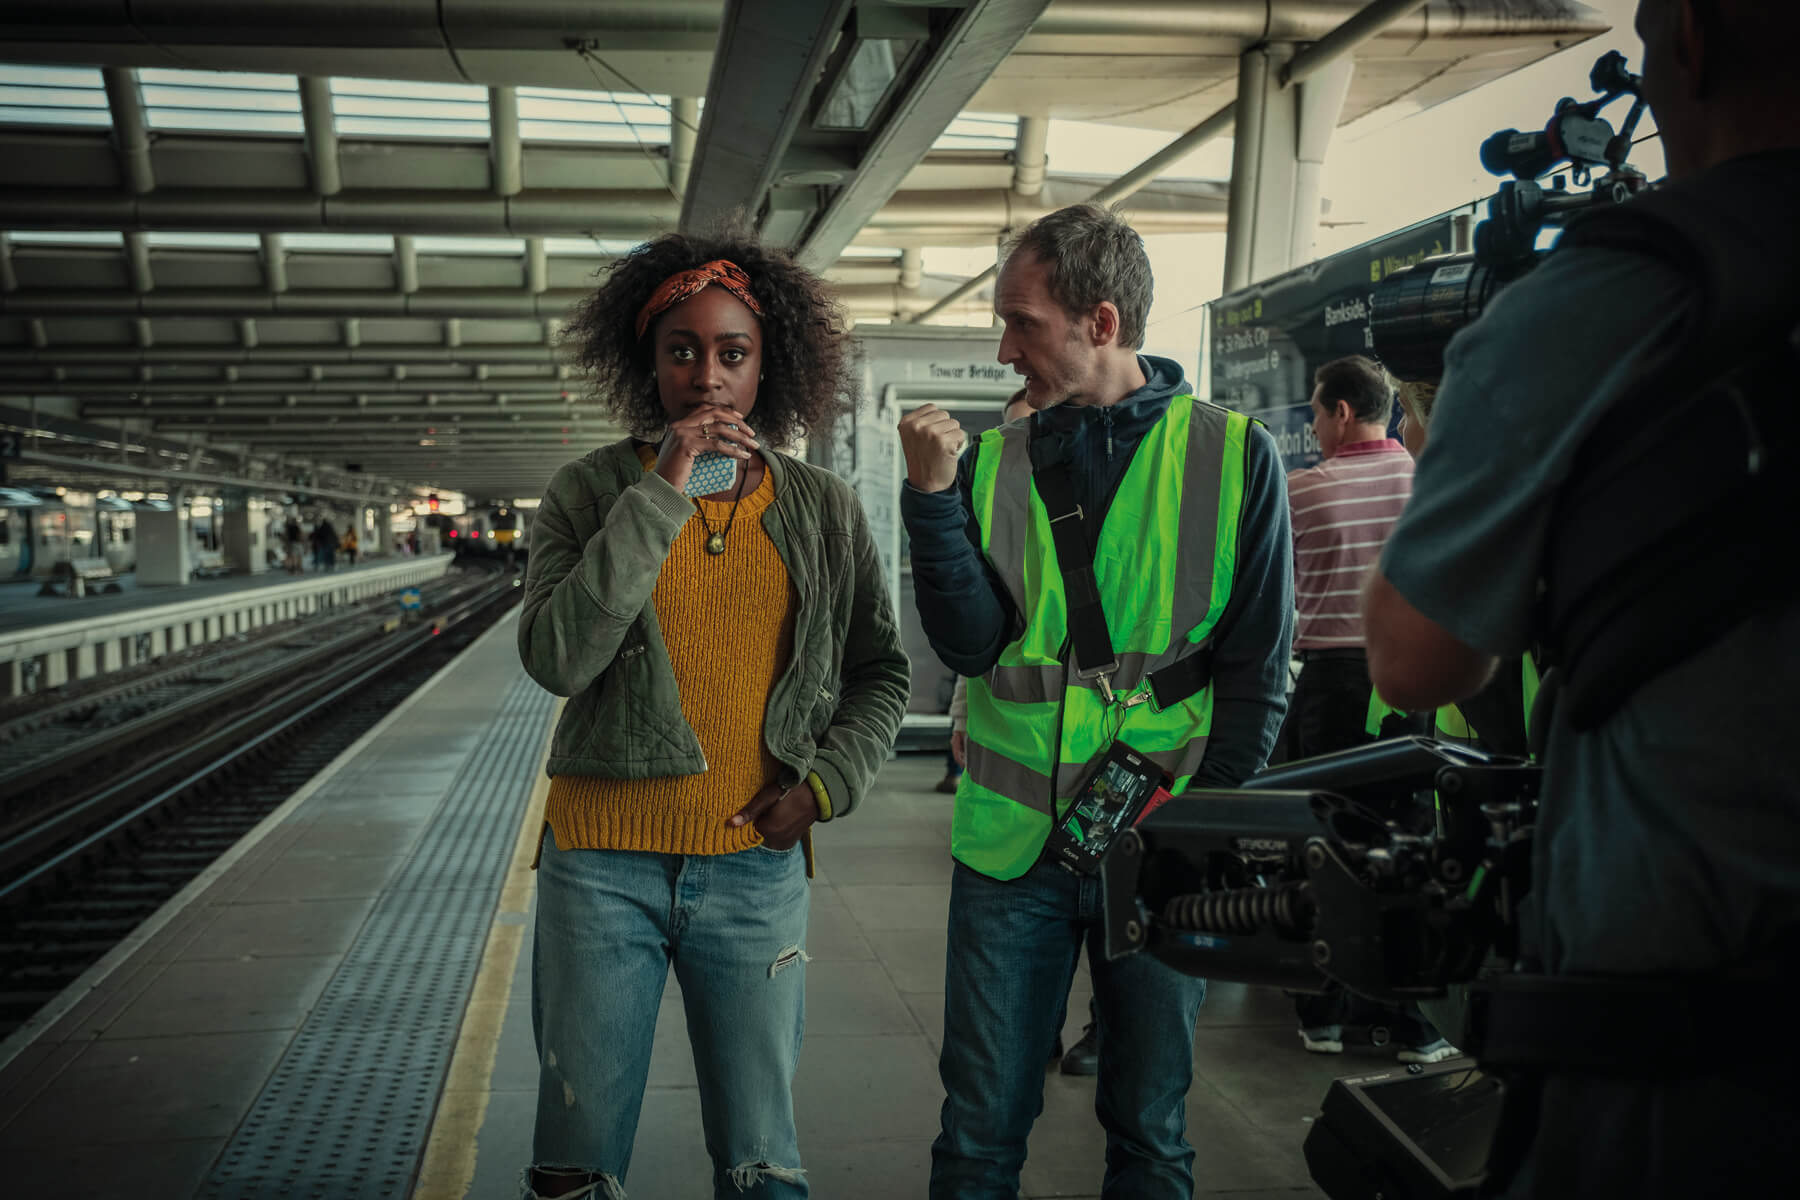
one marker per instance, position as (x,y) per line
(610,923)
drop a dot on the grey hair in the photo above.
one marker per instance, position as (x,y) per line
(1093,256)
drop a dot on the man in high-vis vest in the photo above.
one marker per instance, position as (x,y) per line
(1180,571)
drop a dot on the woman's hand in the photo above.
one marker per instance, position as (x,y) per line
(781,817)
(708,427)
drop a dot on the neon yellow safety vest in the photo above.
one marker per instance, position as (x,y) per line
(1164,561)
(1452,726)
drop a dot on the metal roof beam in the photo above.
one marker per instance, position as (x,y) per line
(957,62)
(321,135)
(967,216)
(1029,158)
(491,42)
(89,355)
(764,68)
(862,299)
(506,153)
(130,132)
(684,130)
(274,263)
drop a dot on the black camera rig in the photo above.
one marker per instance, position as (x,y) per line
(1417,310)
(1394,869)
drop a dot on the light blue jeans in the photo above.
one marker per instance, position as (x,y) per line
(1012,952)
(610,923)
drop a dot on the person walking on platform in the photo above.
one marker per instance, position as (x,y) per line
(1341,511)
(348,545)
(293,546)
(1180,630)
(1610,474)
(324,542)
(717,615)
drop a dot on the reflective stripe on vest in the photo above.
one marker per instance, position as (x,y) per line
(1164,562)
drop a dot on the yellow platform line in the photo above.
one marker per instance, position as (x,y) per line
(448,1169)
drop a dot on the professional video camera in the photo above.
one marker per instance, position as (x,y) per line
(1394,869)
(1418,310)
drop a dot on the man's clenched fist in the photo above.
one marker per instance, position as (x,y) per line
(932,441)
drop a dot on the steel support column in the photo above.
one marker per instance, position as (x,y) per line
(130,132)
(321,134)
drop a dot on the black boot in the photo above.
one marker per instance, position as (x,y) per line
(1083,1057)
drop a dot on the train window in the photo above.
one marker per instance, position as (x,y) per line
(5,532)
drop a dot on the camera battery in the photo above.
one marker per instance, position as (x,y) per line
(1120,791)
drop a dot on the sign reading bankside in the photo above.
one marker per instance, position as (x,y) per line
(1265,341)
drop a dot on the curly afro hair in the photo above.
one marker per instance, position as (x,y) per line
(808,358)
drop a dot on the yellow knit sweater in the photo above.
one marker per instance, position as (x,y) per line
(728,623)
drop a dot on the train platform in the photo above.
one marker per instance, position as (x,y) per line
(47,641)
(341,1007)
(21,607)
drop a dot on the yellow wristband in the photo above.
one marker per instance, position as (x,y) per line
(820,795)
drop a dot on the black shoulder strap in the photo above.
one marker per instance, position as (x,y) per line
(1090,638)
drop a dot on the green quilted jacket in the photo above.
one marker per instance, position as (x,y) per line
(589,630)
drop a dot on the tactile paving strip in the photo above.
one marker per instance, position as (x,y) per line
(347,1111)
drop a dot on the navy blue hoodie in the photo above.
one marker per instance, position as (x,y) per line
(969,617)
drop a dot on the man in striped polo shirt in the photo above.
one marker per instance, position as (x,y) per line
(1342,511)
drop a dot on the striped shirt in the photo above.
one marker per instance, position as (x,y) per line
(1343,510)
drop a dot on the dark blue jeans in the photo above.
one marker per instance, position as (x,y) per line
(1011,955)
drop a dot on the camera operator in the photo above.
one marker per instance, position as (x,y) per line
(1666,882)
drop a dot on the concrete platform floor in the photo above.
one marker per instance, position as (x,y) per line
(867,1094)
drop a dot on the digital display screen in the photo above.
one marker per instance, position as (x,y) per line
(1450,1117)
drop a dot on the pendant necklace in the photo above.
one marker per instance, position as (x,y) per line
(715,539)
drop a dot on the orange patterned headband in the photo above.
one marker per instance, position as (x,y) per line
(683,284)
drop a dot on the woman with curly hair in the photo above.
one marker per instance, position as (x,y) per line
(716,614)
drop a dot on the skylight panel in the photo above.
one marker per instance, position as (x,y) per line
(31,95)
(388,107)
(195,239)
(380,243)
(979,131)
(470,245)
(601,247)
(67,237)
(231,101)
(568,115)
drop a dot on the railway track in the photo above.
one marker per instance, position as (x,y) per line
(95,861)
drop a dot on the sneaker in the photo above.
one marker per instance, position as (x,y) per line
(1083,1057)
(1430,1052)
(947,785)
(1323,1039)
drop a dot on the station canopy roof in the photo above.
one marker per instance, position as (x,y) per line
(326,233)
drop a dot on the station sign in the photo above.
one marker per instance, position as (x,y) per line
(1264,342)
